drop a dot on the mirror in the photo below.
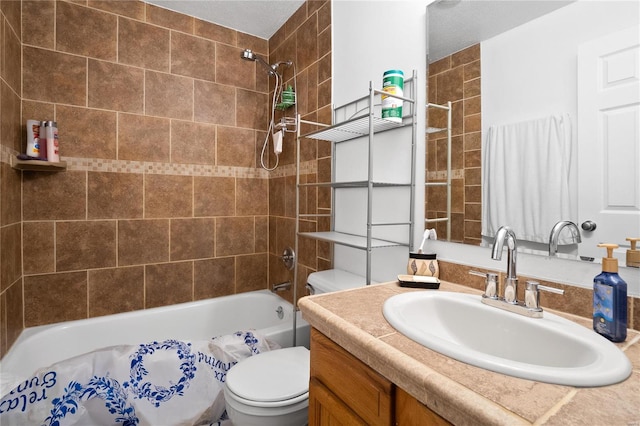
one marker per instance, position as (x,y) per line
(504,62)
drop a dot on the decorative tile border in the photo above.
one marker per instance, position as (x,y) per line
(147,167)
(442,175)
(306,168)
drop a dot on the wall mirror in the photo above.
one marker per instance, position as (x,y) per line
(503,64)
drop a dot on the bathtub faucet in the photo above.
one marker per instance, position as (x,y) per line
(282,286)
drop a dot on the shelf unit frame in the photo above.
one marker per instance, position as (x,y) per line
(346,128)
(446,107)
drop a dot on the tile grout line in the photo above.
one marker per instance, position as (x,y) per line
(557,407)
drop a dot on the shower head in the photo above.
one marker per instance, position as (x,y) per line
(285,63)
(248,55)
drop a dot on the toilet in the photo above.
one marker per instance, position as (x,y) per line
(333,280)
(272,388)
(269,389)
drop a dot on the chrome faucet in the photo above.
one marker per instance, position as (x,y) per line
(511,281)
(555,235)
(531,305)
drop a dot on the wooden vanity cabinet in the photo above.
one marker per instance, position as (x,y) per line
(345,391)
(411,412)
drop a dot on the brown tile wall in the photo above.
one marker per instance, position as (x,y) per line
(455,78)
(11,299)
(158,156)
(161,125)
(305,39)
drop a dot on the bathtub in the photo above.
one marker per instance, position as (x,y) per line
(42,346)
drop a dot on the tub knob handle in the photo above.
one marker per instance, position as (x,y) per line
(289,258)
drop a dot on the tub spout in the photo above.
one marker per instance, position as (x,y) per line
(281,287)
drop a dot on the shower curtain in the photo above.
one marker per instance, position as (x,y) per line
(529,179)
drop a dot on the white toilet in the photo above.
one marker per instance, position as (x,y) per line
(269,389)
(272,388)
(333,280)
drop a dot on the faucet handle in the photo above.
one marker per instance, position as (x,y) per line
(532,294)
(490,284)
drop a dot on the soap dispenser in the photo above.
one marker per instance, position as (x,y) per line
(610,299)
(633,255)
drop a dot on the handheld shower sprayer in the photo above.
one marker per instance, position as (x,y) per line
(277,132)
(248,55)
(278,64)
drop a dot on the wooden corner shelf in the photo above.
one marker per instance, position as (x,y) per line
(38,165)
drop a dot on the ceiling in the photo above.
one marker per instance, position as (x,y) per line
(457,24)
(453,24)
(261,18)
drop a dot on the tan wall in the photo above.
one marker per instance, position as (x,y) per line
(456,78)
(161,124)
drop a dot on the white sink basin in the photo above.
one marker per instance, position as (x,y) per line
(549,349)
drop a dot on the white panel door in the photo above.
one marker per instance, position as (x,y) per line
(609,140)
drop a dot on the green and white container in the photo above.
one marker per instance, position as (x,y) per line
(393,84)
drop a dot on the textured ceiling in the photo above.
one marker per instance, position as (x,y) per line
(453,24)
(261,18)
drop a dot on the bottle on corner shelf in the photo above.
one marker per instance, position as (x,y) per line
(51,135)
(35,142)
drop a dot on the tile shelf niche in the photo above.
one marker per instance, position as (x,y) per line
(38,165)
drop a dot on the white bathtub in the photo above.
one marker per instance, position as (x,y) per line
(39,347)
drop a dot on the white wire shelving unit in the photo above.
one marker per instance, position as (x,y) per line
(447,183)
(354,120)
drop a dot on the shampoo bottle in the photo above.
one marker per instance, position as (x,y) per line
(610,299)
(51,135)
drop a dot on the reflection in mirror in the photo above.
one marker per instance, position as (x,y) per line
(512,67)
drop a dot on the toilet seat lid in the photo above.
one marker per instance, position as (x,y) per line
(271,376)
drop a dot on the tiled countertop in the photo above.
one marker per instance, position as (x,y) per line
(462,393)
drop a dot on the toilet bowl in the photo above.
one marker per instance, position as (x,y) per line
(269,389)
(272,388)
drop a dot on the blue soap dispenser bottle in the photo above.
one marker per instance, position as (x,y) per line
(610,299)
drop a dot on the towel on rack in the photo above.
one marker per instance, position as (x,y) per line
(529,179)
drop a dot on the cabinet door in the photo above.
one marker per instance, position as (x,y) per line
(356,385)
(326,409)
(411,412)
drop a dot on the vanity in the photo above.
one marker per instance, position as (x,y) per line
(363,371)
